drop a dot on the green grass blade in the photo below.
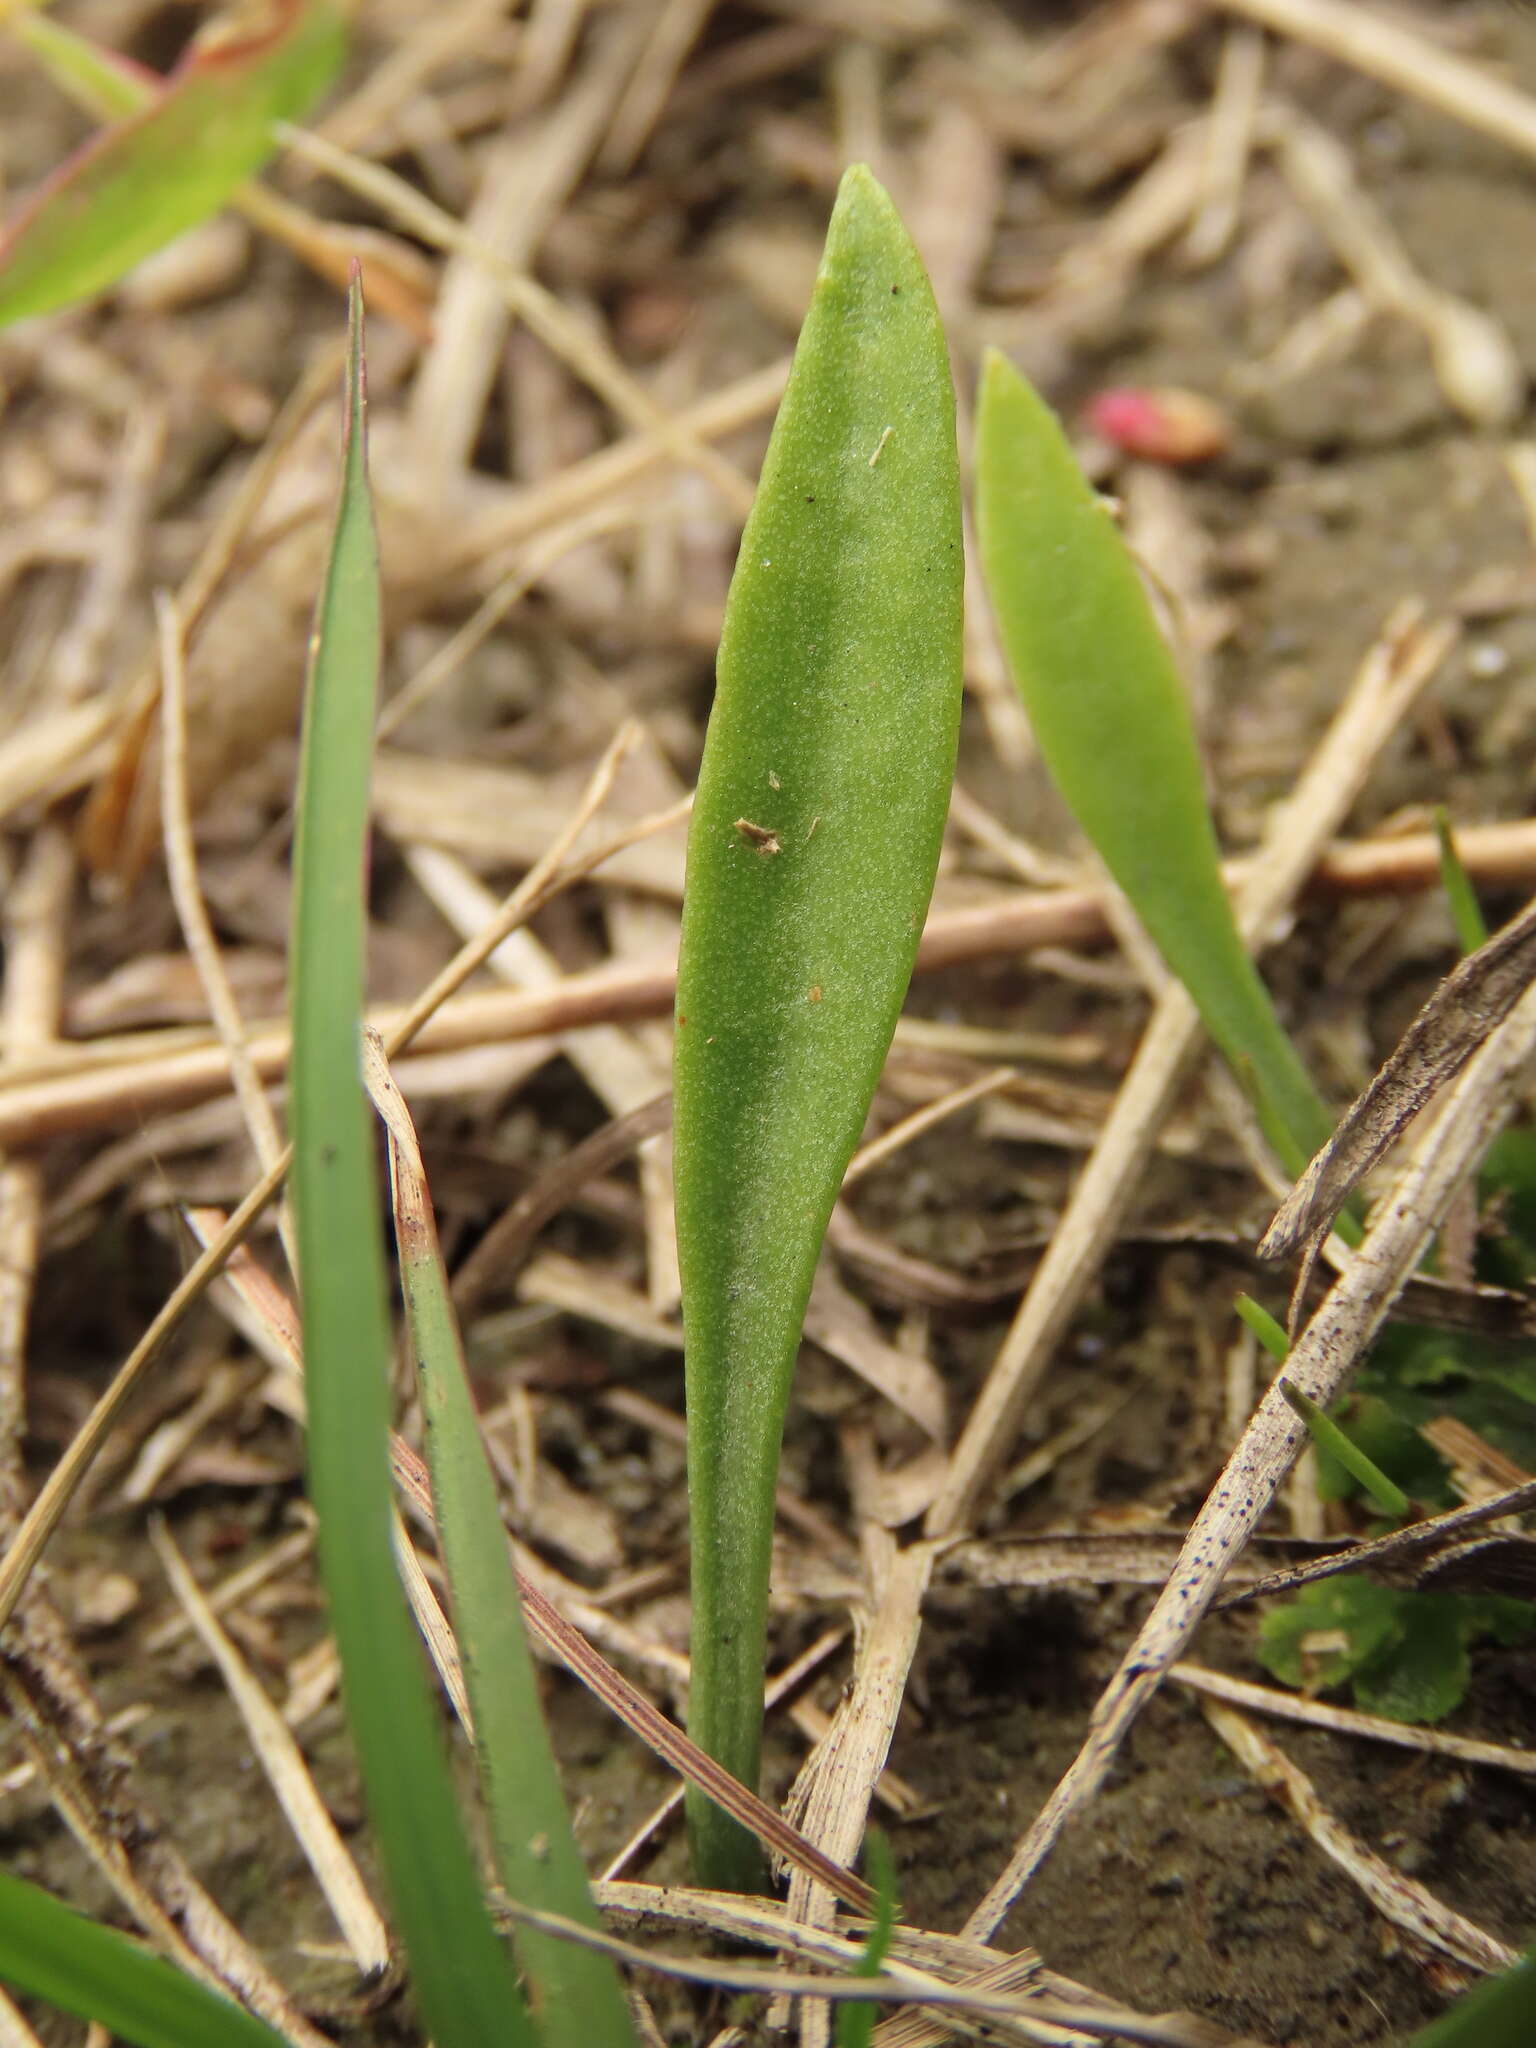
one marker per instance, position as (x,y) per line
(576,1990)
(463,1979)
(1112,721)
(48,1951)
(158,171)
(1270,1333)
(856,2021)
(1321,1427)
(1329,1437)
(811,858)
(1499,2014)
(1466,911)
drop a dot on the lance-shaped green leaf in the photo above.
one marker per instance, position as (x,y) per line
(51,1952)
(150,176)
(1112,721)
(811,858)
(462,1978)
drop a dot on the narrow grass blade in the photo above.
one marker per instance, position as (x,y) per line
(1322,1428)
(1269,1332)
(1328,1436)
(1466,911)
(1500,2014)
(158,171)
(856,2022)
(577,1992)
(1112,721)
(811,858)
(51,1952)
(463,1980)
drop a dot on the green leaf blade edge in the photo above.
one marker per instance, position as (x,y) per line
(47,1950)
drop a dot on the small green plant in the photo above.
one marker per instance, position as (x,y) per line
(1402,1653)
(466,1989)
(811,859)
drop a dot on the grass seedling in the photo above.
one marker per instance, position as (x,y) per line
(1328,1436)
(580,1999)
(811,859)
(464,1983)
(856,2022)
(1321,1427)
(1466,911)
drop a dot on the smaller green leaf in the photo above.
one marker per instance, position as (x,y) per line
(856,2021)
(1112,720)
(1498,2014)
(1466,911)
(1391,1440)
(1329,1631)
(49,1951)
(1426,1672)
(1402,1652)
(157,172)
(1328,1436)
(1270,1333)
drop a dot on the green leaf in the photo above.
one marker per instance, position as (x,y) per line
(1425,1674)
(1112,721)
(1392,1443)
(1270,1333)
(467,1993)
(1329,1437)
(1297,1641)
(1403,1653)
(1466,911)
(159,171)
(576,1989)
(811,858)
(1498,2014)
(49,1951)
(856,2020)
